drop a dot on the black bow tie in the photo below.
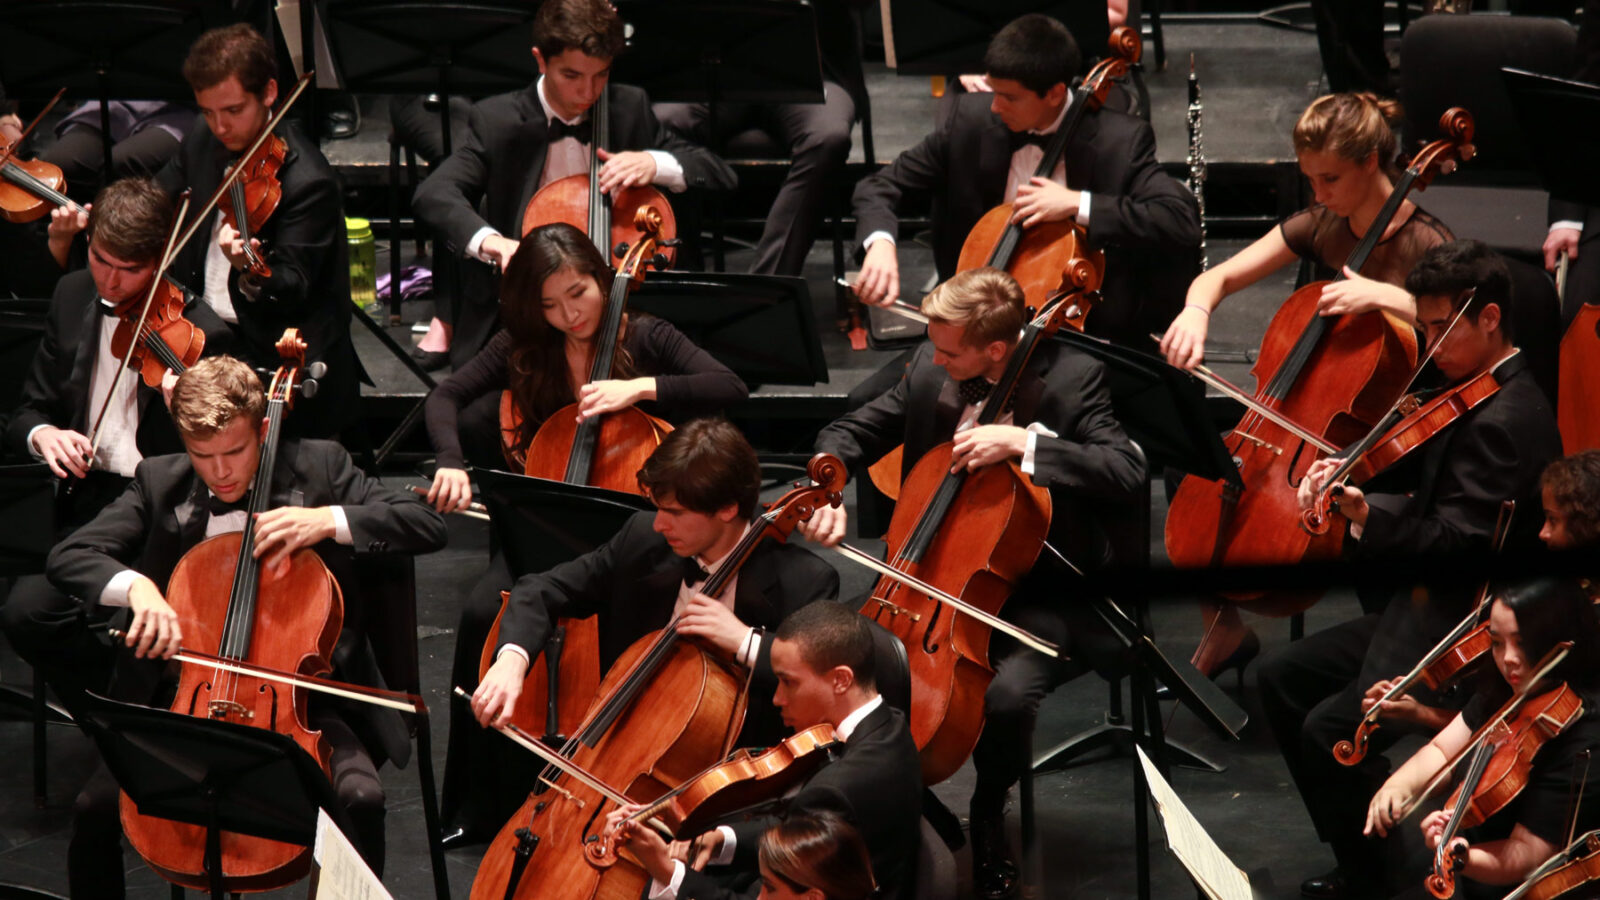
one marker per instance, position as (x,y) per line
(693,572)
(973,390)
(220,507)
(583,131)
(1020,139)
(106,309)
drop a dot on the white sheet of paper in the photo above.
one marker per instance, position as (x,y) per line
(342,873)
(1211,868)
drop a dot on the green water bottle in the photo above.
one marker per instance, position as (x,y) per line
(363,265)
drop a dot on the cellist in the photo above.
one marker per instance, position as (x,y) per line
(1311,690)
(73,377)
(1346,148)
(522,141)
(1062,432)
(124,556)
(705,482)
(1525,622)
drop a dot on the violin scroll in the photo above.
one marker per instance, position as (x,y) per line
(1448,860)
(1348,753)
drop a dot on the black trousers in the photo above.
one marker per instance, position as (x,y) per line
(818,138)
(1350,38)
(81,155)
(94,855)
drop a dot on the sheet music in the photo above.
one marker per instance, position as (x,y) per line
(1211,868)
(341,872)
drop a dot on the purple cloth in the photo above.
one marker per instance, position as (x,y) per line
(129,117)
(415,281)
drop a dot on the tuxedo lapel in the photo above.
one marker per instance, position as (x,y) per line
(994,159)
(189,517)
(534,139)
(83,364)
(758,583)
(1081,153)
(1029,392)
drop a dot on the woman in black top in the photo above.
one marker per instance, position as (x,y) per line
(553,299)
(1525,622)
(1346,148)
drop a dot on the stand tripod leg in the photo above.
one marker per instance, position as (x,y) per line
(1118,739)
(430,808)
(1143,715)
(1032,877)
(415,414)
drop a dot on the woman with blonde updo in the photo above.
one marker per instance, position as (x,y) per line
(1346,147)
(815,857)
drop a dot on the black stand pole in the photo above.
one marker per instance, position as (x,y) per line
(430,808)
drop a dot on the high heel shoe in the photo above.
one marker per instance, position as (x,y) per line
(1249,648)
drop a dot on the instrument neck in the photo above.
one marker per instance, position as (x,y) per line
(599,203)
(586,437)
(1077,104)
(239,625)
(24,179)
(1380,223)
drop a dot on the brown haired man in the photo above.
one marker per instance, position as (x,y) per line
(319,501)
(1061,433)
(704,480)
(521,141)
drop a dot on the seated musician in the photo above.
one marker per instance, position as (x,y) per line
(704,480)
(1525,622)
(1346,147)
(522,141)
(1062,433)
(817,856)
(233,74)
(823,657)
(72,377)
(320,501)
(985,154)
(1570,492)
(1445,503)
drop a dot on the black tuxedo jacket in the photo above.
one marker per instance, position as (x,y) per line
(163,514)
(489,179)
(305,244)
(874,782)
(1091,461)
(1147,223)
(631,582)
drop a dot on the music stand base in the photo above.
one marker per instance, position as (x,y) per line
(1119,741)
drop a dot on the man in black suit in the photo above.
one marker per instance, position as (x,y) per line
(320,501)
(823,657)
(705,481)
(73,374)
(519,142)
(1311,691)
(1109,182)
(1061,433)
(234,78)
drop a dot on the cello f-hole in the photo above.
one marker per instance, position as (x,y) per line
(928,643)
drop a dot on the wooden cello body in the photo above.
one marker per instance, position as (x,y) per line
(1579,394)
(287,621)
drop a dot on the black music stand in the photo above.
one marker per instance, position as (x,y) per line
(102,49)
(949,36)
(541,523)
(1552,113)
(760,326)
(218,775)
(711,51)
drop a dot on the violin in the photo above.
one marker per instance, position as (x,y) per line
(667,709)
(1331,377)
(1458,651)
(29,189)
(1038,257)
(300,611)
(1568,870)
(973,535)
(253,197)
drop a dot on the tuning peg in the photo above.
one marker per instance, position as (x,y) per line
(316,369)
(672,242)
(660,261)
(307,388)
(620,250)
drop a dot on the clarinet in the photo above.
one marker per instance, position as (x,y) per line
(1197,159)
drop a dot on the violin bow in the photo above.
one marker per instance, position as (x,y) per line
(9,151)
(1560,858)
(1229,389)
(474,510)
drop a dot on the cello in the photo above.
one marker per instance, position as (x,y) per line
(974,535)
(1334,376)
(285,620)
(665,711)
(1578,395)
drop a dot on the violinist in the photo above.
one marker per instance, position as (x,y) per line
(1346,147)
(1062,432)
(1444,505)
(824,659)
(1570,492)
(123,558)
(1525,622)
(519,142)
(815,857)
(705,481)
(984,154)
(73,373)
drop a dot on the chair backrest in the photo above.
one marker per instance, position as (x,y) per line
(894,669)
(1455,61)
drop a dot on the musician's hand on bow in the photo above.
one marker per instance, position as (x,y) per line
(1386,808)
(1559,241)
(648,847)
(713,622)
(826,526)
(497,250)
(1184,344)
(878,282)
(63,450)
(601,397)
(986,445)
(154,633)
(499,689)
(1357,294)
(630,168)
(1043,200)
(1316,477)
(233,247)
(65,223)
(282,531)
(699,852)
(10,128)
(451,490)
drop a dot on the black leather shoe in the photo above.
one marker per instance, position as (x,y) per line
(458,837)
(430,360)
(1332,886)
(994,870)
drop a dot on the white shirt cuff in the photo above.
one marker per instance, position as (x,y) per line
(475,246)
(513,648)
(32,449)
(115,593)
(730,842)
(1083,208)
(669,172)
(341,527)
(875,237)
(1574,224)
(1028,454)
(668,891)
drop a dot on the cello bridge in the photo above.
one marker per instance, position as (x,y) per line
(562,791)
(229,709)
(1275,450)
(895,610)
